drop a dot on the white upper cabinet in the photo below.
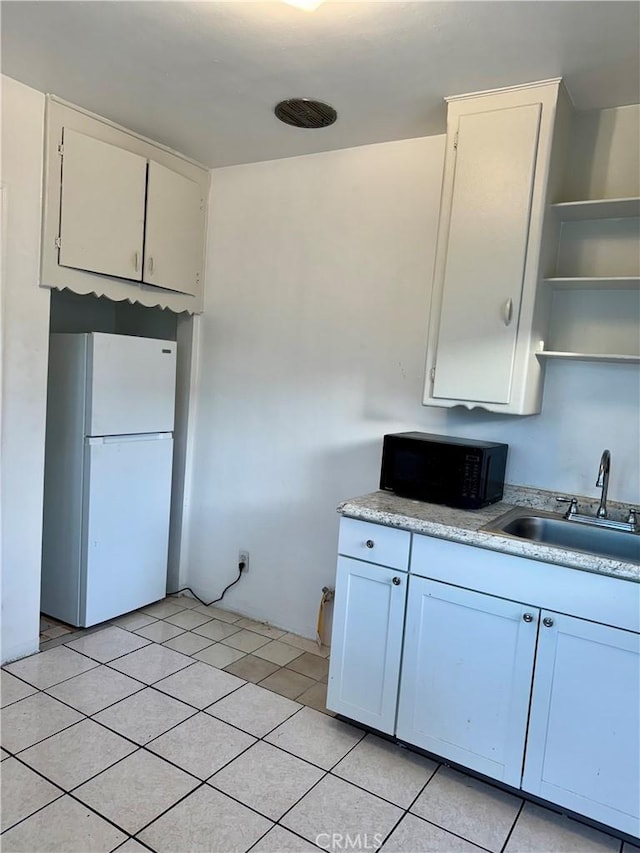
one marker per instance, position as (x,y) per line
(102,207)
(486,254)
(485,326)
(123,217)
(174,231)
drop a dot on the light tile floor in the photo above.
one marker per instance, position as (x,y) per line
(184,728)
(50,629)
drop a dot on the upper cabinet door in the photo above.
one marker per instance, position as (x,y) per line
(174,231)
(102,207)
(486,253)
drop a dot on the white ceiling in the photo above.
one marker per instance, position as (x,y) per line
(203,77)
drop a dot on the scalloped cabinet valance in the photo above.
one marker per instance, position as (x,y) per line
(124,217)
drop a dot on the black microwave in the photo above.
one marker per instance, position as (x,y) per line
(439,469)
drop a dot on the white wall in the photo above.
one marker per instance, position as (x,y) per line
(586,407)
(605,154)
(312,347)
(25,329)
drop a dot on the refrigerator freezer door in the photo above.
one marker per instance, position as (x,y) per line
(126,524)
(131,385)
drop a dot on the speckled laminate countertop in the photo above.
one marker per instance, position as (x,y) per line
(463,526)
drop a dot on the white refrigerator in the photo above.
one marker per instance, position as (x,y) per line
(108,463)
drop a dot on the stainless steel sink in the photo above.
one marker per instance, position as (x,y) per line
(549,528)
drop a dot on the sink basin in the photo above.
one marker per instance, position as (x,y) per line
(548,528)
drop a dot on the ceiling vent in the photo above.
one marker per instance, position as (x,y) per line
(302,112)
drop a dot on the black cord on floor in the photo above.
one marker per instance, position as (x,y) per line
(215,600)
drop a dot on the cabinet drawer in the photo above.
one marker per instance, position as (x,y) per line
(375,543)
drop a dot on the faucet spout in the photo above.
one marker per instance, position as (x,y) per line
(603,482)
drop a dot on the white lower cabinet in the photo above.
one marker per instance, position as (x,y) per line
(537,699)
(366,643)
(583,747)
(466,677)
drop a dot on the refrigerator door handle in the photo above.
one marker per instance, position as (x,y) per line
(121,439)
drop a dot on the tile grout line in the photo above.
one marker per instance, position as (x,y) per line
(143,686)
(405,810)
(67,641)
(147,684)
(411,804)
(91,717)
(137,841)
(209,780)
(66,793)
(286,829)
(451,832)
(153,686)
(138,747)
(42,740)
(157,737)
(63,793)
(326,772)
(82,632)
(93,713)
(329,772)
(157,642)
(513,826)
(146,745)
(72,791)
(91,669)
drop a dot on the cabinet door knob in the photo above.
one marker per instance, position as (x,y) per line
(136,261)
(547,622)
(396,581)
(150,265)
(527,617)
(370,543)
(507,311)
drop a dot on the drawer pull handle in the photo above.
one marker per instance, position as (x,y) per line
(396,581)
(547,621)
(370,543)
(528,617)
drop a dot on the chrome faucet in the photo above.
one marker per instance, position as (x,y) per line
(603,481)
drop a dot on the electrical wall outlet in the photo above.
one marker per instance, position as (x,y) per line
(243,561)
